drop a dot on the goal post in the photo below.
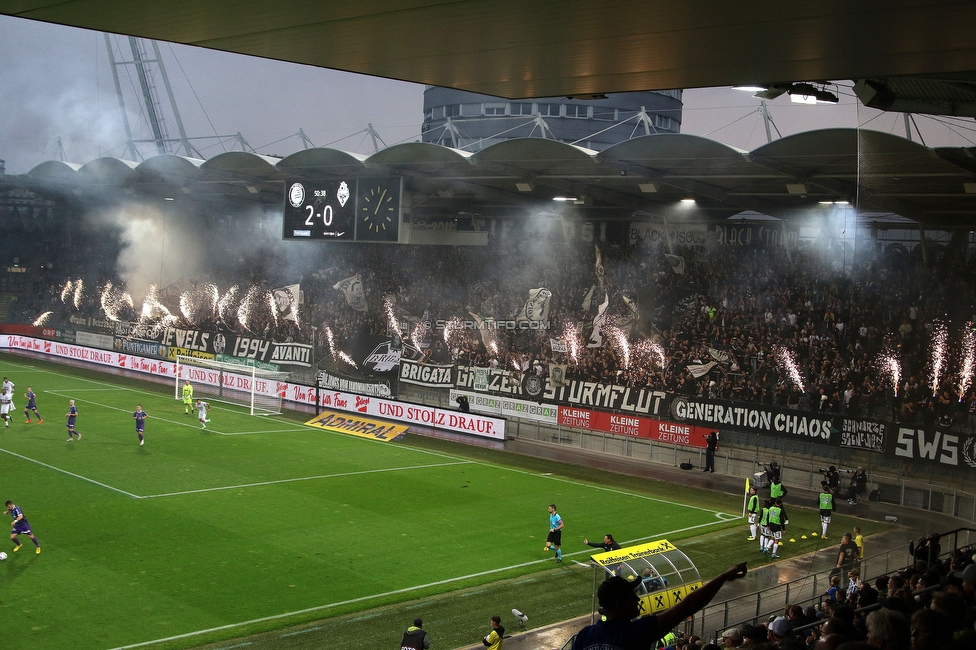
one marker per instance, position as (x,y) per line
(257,389)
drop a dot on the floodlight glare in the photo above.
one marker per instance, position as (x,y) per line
(751,89)
(688,201)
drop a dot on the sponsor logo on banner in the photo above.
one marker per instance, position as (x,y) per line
(432,376)
(102,341)
(173,352)
(935,446)
(633,426)
(357,426)
(863,434)
(508,407)
(135,346)
(754,419)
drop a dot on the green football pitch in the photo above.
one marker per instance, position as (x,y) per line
(260,523)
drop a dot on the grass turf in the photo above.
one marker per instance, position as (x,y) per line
(261,523)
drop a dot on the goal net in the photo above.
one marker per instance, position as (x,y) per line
(257,389)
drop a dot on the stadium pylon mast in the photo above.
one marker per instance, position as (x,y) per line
(144,68)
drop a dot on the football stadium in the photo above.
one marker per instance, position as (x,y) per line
(550,346)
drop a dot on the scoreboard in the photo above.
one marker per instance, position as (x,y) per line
(353,209)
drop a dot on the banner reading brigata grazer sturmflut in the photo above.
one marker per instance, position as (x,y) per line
(755,418)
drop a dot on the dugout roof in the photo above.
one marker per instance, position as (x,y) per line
(914,55)
(645,176)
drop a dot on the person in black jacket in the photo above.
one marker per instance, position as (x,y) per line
(608,544)
(415,638)
(859,485)
(711,444)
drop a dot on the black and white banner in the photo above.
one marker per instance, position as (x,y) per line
(429,375)
(932,445)
(211,345)
(857,433)
(755,418)
(531,387)
(332,382)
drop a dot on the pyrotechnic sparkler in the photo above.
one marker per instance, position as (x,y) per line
(619,337)
(391,318)
(647,352)
(452,335)
(153,309)
(571,335)
(337,354)
(968,360)
(79,293)
(43,318)
(890,368)
(786,360)
(113,299)
(246,309)
(937,354)
(493,346)
(67,290)
(226,303)
(272,305)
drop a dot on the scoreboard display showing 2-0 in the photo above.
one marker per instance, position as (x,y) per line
(364,209)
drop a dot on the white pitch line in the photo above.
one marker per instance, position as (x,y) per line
(352,601)
(300,478)
(72,474)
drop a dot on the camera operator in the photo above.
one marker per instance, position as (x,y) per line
(859,485)
(832,479)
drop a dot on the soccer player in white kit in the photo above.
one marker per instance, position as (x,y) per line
(202,408)
(6,405)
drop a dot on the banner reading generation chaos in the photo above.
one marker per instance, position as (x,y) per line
(756,418)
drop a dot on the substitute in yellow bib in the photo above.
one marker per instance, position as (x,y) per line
(187,397)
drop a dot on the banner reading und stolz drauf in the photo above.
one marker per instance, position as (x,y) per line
(414,414)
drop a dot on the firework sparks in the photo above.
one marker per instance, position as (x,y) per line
(619,337)
(571,335)
(246,309)
(337,354)
(453,333)
(67,290)
(43,318)
(937,354)
(391,317)
(154,310)
(786,360)
(494,348)
(890,369)
(968,360)
(273,306)
(225,304)
(113,300)
(79,293)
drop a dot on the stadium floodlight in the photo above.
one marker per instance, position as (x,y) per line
(255,388)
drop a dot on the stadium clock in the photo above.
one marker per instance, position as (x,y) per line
(319,210)
(378,210)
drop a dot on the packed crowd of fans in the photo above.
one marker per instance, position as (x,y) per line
(728,323)
(928,606)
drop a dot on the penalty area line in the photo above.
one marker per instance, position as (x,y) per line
(72,474)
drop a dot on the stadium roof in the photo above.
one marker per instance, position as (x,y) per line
(648,175)
(518,49)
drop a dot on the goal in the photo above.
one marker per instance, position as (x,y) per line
(255,388)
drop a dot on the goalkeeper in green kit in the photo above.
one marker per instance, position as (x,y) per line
(187,397)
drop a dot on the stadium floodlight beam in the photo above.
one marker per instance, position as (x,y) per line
(751,89)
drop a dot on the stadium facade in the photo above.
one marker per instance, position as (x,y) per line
(469,121)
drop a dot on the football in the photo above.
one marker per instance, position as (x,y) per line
(3,556)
